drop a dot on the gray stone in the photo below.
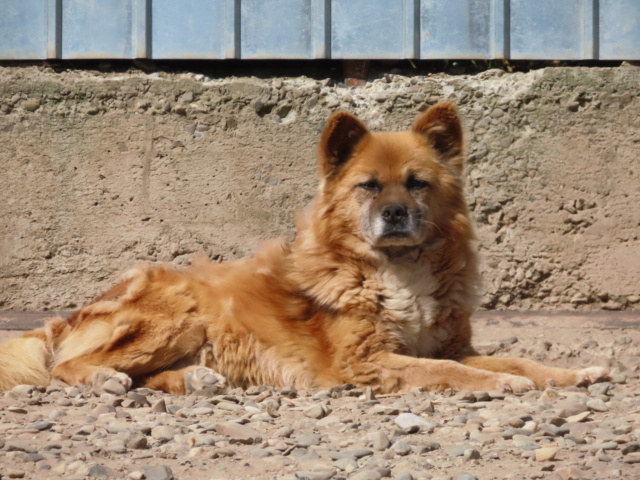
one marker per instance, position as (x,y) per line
(307,439)
(366,475)
(314,475)
(379,440)
(163,433)
(158,472)
(345,463)
(403,476)
(315,411)
(401,447)
(238,433)
(600,388)
(413,423)
(471,454)
(597,405)
(40,425)
(98,471)
(464,476)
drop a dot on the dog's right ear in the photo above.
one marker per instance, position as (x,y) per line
(339,139)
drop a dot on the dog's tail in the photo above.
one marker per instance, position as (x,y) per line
(26,360)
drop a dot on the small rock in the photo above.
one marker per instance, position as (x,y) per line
(158,472)
(580,417)
(315,475)
(597,405)
(549,395)
(413,423)
(163,433)
(631,458)
(366,475)
(546,454)
(40,425)
(307,439)
(329,421)
(471,454)
(464,476)
(238,433)
(315,411)
(14,473)
(31,105)
(383,410)
(379,440)
(346,464)
(403,476)
(97,471)
(401,447)
(600,388)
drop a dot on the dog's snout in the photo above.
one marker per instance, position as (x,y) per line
(394,213)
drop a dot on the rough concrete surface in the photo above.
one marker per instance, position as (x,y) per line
(101,171)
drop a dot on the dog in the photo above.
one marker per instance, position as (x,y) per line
(376,290)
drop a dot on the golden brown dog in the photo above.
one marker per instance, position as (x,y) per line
(376,290)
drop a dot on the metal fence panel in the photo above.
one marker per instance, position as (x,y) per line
(97,29)
(470,22)
(547,29)
(276,29)
(23,29)
(306,29)
(370,29)
(619,29)
(191,28)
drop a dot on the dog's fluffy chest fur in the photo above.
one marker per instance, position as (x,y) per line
(407,292)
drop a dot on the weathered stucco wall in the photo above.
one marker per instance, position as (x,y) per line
(101,171)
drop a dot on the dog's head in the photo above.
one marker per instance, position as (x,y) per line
(392,189)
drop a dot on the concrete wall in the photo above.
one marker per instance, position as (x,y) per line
(101,171)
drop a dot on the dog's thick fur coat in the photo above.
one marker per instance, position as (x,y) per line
(377,289)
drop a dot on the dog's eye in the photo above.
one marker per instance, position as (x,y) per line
(414,183)
(372,185)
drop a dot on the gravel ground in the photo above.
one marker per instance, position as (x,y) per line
(73,433)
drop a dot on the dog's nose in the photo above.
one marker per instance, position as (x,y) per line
(394,213)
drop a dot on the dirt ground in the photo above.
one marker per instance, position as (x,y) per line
(558,434)
(105,169)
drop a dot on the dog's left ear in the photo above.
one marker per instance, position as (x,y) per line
(441,127)
(339,139)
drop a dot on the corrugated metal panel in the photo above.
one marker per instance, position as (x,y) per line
(301,29)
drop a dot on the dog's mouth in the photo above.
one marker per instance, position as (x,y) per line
(402,232)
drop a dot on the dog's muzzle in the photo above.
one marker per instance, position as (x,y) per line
(396,222)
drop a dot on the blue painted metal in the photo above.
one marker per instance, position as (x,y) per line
(619,29)
(306,29)
(23,29)
(370,29)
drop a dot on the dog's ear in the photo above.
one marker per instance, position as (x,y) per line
(339,139)
(441,127)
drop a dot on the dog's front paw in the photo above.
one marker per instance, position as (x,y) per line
(117,383)
(514,383)
(203,378)
(589,375)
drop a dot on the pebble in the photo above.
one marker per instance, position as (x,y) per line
(159,472)
(379,440)
(401,447)
(464,476)
(597,405)
(315,411)
(413,423)
(546,454)
(238,433)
